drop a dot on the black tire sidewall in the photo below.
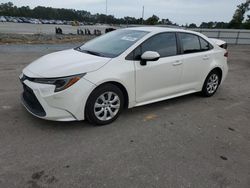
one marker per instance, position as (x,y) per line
(204,88)
(89,109)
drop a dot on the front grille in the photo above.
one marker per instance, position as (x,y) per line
(31,102)
(26,78)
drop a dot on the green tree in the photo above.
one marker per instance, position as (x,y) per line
(192,25)
(40,12)
(153,20)
(166,22)
(239,15)
(221,25)
(246,25)
(208,25)
(6,9)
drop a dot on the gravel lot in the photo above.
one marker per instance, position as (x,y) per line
(185,142)
(26,28)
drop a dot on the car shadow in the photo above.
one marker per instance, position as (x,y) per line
(85,125)
(150,108)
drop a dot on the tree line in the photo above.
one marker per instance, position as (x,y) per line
(9,9)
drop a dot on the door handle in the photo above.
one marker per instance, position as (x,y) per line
(205,57)
(176,63)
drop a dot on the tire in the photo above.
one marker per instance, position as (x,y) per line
(104,105)
(211,84)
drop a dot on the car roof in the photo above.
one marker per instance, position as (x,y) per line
(155,29)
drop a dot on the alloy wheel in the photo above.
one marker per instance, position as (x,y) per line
(107,106)
(212,83)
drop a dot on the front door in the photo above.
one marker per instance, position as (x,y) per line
(161,78)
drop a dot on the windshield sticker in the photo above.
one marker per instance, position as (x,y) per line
(132,39)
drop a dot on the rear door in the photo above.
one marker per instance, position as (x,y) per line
(196,58)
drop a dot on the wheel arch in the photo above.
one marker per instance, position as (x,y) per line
(219,70)
(120,86)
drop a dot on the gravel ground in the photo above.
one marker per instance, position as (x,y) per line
(189,141)
(42,38)
(26,28)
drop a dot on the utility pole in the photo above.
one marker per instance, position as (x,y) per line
(106,11)
(142,14)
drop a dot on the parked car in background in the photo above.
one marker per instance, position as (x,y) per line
(19,20)
(122,69)
(25,20)
(2,19)
(8,18)
(36,21)
(44,21)
(59,22)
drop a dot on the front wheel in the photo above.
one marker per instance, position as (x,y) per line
(104,104)
(211,84)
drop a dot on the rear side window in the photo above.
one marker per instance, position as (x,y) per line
(190,43)
(164,44)
(204,45)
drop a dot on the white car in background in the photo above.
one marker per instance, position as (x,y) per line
(2,19)
(122,69)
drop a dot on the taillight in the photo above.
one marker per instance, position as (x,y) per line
(226,54)
(224,46)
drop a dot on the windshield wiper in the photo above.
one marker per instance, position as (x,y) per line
(77,48)
(90,52)
(93,53)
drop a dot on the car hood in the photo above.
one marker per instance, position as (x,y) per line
(64,63)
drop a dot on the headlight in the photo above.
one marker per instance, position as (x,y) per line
(60,83)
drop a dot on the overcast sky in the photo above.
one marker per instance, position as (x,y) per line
(179,11)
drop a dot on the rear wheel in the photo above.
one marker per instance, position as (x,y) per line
(104,104)
(211,84)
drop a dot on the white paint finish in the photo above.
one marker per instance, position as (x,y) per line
(218,41)
(65,63)
(158,80)
(194,70)
(69,103)
(117,70)
(150,55)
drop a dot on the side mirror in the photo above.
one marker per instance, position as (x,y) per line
(149,56)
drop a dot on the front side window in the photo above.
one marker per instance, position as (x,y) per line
(190,43)
(164,44)
(112,44)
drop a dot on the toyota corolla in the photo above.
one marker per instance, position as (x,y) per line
(122,69)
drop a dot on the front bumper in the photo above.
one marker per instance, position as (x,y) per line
(30,101)
(67,105)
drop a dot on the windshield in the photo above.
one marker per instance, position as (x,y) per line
(113,43)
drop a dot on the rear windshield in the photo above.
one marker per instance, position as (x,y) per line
(112,44)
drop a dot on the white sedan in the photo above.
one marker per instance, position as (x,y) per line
(122,69)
